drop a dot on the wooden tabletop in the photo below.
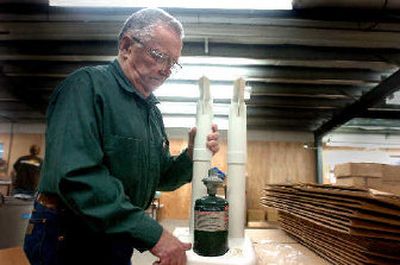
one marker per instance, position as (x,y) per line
(274,246)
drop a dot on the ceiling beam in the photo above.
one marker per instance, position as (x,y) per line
(214,59)
(371,98)
(366,130)
(278,127)
(217,33)
(372,122)
(331,18)
(190,71)
(31,99)
(253,111)
(326,91)
(276,54)
(293,102)
(380,114)
(303,123)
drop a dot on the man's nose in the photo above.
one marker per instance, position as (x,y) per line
(165,70)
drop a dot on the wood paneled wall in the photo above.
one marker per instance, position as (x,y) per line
(277,162)
(268,162)
(176,204)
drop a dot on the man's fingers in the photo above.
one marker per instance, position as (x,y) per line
(192,132)
(187,246)
(213,146)
(214,127)
(170,250)
(213,136)
(212,139)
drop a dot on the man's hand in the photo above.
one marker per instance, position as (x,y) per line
(212,140)
(169,250)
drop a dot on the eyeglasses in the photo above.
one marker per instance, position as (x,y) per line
(160,57)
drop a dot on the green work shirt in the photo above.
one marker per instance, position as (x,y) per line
(107,153)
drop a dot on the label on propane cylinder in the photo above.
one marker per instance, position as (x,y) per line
(209,221)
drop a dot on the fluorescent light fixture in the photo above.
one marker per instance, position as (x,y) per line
(216,72)
(189,108)
(370,141)
(192,91)
(189,122)
(394,99)
(183,114)
(214,60)
(220,4)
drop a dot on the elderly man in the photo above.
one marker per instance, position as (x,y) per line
(107,152)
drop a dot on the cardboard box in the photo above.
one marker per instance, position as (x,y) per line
(391,173)
(389,186)
(369,175)
(372,170)
(361,182)
(272,215)
(255,215)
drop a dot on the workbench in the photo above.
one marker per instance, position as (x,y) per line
(5,187)
(274,246)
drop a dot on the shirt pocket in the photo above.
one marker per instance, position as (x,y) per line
(124,157)
(155,161)
(156,154)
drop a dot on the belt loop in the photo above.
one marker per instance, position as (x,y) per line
(50,201)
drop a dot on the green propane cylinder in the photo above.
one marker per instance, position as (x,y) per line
(211,215)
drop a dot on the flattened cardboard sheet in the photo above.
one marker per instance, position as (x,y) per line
(344,225)
(336,246)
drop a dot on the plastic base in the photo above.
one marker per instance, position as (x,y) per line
(241,252)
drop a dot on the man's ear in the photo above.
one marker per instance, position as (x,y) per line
(125,44)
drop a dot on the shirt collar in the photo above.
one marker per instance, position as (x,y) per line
(126,84)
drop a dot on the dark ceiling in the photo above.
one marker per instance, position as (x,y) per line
(313,70)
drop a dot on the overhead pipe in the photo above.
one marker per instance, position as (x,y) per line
(201,154)
(360,4)
(237,153)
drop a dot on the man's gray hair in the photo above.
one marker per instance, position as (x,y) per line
(142,22)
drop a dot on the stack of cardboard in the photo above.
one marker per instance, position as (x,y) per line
(369,175)
(342,224)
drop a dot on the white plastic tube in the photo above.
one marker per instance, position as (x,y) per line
(237,156)
(201,154)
